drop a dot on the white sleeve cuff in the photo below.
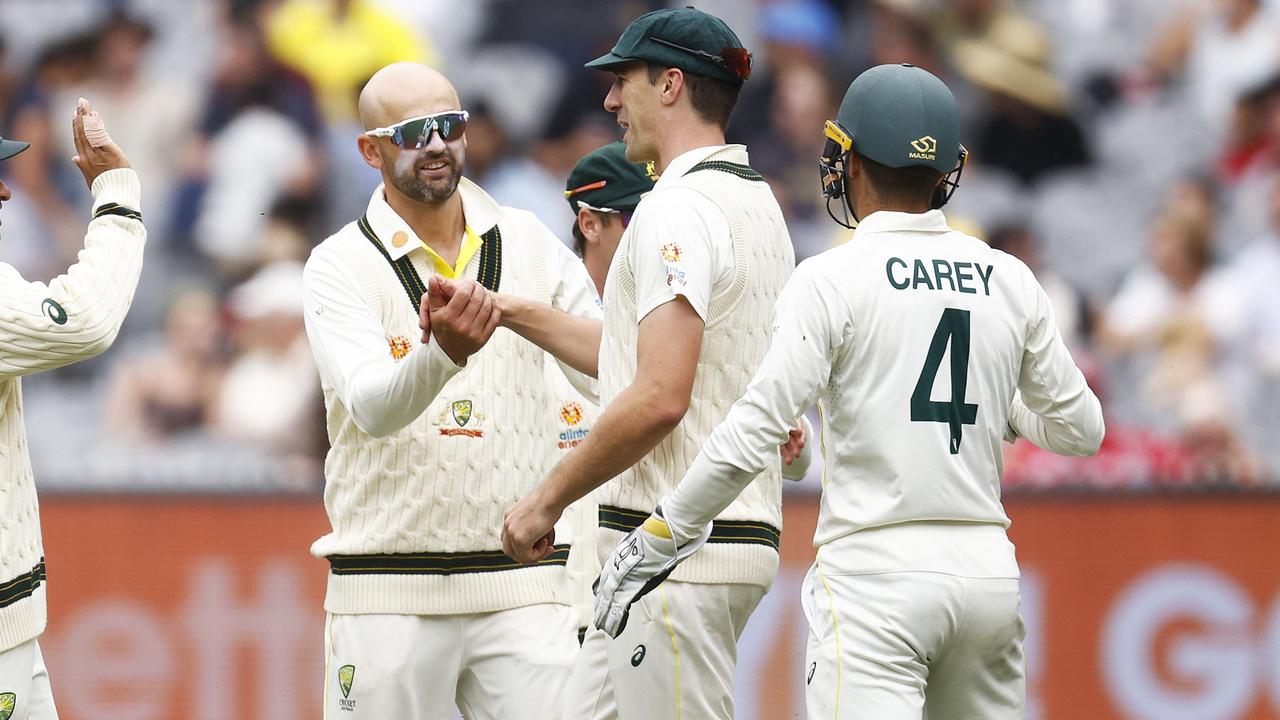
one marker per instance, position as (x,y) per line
(120,186)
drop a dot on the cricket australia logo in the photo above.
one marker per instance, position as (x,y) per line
(400,346)
(460,418)
(571,415)
(346,676)
(8,701)
(651,171)
(926,148)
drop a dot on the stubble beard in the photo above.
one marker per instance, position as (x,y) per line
(409,184)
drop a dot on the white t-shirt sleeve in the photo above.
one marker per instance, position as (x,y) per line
(1055,409)
(679,245)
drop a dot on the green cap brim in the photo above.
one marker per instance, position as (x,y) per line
(608,61)
(9,148)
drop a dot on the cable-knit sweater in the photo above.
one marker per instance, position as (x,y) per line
(743,547)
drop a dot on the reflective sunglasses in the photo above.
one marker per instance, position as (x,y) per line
(415,133)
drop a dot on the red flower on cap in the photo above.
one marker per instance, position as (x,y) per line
(738,60)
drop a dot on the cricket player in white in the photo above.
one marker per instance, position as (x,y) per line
(687,304)
(924,348)
(74,317)
(438,420)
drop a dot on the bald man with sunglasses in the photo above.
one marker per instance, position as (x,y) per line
(437,422)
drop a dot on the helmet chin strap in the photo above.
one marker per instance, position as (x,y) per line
(835,187)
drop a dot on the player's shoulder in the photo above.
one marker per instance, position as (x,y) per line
(676,204)
(340,248)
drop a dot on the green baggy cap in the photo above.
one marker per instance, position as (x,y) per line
(607,180)
(902,115)
(685,38)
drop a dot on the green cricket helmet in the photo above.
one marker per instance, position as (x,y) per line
(899,116)
(9,148)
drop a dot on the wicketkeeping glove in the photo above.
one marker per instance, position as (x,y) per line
(644,558)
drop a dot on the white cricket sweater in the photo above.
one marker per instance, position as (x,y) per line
(425,456)
(75,316)
(743,548)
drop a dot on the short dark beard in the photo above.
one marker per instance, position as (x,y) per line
(410,185)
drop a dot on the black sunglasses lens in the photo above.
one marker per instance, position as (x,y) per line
(451,126)
(409,135)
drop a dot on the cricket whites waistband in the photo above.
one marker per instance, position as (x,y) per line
(22,586)
(722,531)
(430,563)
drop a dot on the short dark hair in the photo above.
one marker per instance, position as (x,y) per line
(713,99)
(906,185)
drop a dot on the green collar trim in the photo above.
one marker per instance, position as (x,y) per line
(743,171)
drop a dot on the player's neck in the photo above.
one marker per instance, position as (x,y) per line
(439,225)
(869,203)
(680,138)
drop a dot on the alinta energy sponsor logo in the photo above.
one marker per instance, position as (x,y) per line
(460,418)
(926,148)
(670,252)
(571,415)
(346,676)
(400,346)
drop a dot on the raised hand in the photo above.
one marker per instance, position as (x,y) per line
(96,152)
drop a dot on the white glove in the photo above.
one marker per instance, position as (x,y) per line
(644,558)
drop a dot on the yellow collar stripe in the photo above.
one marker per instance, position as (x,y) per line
(470,246)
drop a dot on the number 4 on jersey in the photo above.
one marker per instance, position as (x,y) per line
(952,329)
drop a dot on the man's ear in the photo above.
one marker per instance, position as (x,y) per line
(671,85)
(369,151)
(590,224)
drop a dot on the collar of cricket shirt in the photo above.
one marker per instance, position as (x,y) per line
(685,161)
(890,221)
(479,211)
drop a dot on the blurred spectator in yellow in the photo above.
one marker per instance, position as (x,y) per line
(270,395)
(1027,129)
(339,44)
(167,389)
(1222,48)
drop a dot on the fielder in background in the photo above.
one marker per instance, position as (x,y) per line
(924,348)
(603,189)
(687,307)
(74,317)
(437,421)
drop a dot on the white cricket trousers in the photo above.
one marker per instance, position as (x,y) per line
(492,666)
(912,645)
(24,684)
(674,661)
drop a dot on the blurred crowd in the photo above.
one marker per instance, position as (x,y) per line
(1127,151)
